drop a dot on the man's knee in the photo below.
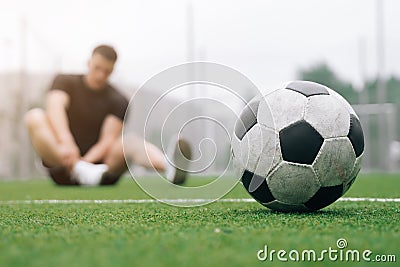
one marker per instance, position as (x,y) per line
(34,117)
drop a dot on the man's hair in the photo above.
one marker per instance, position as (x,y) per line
(106,51)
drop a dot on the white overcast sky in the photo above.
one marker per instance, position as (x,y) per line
(266,40)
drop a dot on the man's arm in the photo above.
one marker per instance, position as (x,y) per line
(110,131)
(57,103)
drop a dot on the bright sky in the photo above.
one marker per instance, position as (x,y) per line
(266,40)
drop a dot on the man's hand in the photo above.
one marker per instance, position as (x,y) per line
(69,154)
(110,132)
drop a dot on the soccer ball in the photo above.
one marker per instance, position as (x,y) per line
(298,148)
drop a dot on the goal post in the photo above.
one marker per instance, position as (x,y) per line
(378,142)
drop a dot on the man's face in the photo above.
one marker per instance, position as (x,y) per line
(100,68)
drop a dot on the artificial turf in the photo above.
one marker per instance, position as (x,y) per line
(218,234)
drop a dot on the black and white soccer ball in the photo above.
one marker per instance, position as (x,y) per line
(298,148)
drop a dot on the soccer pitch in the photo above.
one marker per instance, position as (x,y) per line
(226,233)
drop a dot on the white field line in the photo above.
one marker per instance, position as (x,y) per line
(144,201)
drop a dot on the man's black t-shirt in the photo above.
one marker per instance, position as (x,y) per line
(88,108)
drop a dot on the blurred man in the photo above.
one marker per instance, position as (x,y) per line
(78,134)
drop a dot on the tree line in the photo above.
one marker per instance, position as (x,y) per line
(322,73)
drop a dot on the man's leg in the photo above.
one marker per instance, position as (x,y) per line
(116,163)
(147,155)
(42,136)
(141,152)
(46,145)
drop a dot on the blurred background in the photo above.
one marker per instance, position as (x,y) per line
(350,46)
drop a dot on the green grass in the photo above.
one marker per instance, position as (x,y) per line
(219,234)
